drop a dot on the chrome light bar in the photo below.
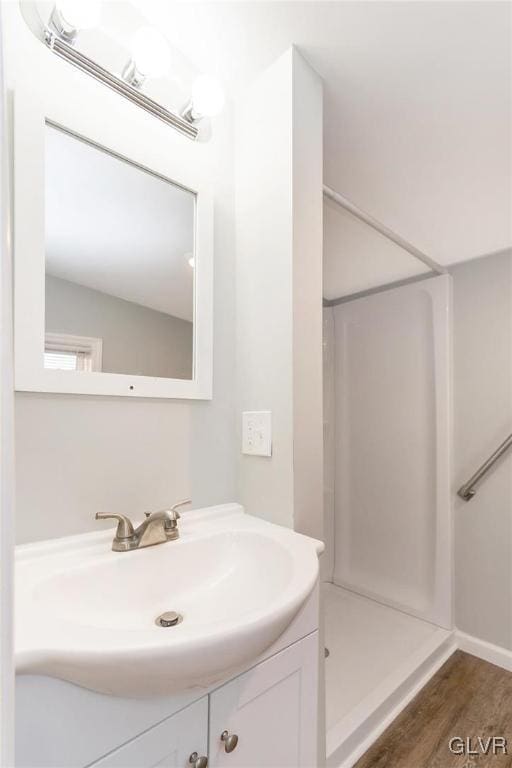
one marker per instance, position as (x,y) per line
(82,62)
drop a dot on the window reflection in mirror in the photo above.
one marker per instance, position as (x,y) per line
(119,277)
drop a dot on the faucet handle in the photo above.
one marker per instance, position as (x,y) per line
(174,507)
(171,512)
(124,524)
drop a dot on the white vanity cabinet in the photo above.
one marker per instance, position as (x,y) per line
(169,744)
(269,712)
(272,709)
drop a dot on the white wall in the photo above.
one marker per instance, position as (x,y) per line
(76,455)
(279,273)
(263,163)
(136,339)
(307,154)
(482,291)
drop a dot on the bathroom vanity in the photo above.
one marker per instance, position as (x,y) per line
(233,683)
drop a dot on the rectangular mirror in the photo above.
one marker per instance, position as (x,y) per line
(113,257)
(119,265)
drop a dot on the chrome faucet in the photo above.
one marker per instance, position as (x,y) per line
(157,528)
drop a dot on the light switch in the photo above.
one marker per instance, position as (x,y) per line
(257,433)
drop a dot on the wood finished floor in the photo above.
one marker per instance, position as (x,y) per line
(467,697)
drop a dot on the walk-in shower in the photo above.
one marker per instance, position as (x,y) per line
(387,433)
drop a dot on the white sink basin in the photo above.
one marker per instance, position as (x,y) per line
(87,615)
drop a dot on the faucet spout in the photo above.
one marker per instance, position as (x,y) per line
(157,528)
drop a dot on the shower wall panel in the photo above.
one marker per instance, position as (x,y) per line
(392,448)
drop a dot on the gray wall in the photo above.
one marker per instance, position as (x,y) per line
(136,340)
(77,455)
(482,292)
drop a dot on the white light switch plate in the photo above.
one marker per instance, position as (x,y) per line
(257,433)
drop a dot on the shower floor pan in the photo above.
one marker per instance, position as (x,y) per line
(379,658)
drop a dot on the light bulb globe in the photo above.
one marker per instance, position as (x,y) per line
(207,96)
(150,52)
(80,14)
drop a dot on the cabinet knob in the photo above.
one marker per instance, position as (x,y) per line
(230,740)
(198,761)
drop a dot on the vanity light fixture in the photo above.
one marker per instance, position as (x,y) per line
(207,99)
(70,16)
(151,57)
(59,36)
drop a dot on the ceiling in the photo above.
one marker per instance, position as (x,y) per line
(417,117)
(115,228)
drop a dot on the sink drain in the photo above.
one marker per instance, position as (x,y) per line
(168,619)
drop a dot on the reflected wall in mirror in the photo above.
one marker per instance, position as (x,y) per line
(119,264)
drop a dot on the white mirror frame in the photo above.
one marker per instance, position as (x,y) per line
(146,143)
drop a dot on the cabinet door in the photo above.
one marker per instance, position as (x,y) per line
(273,711)
(167,745)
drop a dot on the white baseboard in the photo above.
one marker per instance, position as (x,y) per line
(494,654)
